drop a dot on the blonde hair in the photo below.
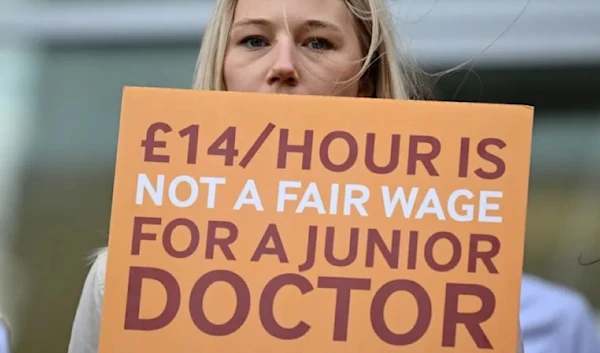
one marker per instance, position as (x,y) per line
(392,75)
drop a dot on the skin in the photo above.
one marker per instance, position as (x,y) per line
(307,47)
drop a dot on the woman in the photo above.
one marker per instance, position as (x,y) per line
(310,47)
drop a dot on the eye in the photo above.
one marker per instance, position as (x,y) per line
(319,44)
(254,42)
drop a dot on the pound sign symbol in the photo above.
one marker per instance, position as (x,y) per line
(150,143)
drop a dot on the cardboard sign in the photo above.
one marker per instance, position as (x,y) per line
(271,223)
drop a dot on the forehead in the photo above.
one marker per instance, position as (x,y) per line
(294,10)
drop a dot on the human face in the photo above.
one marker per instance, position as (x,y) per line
(308,47)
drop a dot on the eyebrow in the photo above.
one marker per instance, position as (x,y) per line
(251,21)
(321,24)
(312,24)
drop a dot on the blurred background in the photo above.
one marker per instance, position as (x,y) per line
(63,64)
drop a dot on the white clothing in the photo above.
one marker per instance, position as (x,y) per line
(556,319)
(4,337)
(86,325)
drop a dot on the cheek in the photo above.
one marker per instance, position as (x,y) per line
(233,71)
(241,72)
(337,76)
(229,73)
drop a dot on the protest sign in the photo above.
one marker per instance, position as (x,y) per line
(271,223)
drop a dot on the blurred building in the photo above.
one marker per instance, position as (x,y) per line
(63,65)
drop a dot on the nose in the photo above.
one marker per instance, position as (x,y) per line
(283,70)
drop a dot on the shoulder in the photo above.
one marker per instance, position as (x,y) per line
(555,315)
(538,293)
(86,324)
(98,270)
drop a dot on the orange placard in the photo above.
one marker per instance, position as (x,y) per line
(271,223)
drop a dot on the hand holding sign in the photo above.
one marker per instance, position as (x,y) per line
(376,226)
